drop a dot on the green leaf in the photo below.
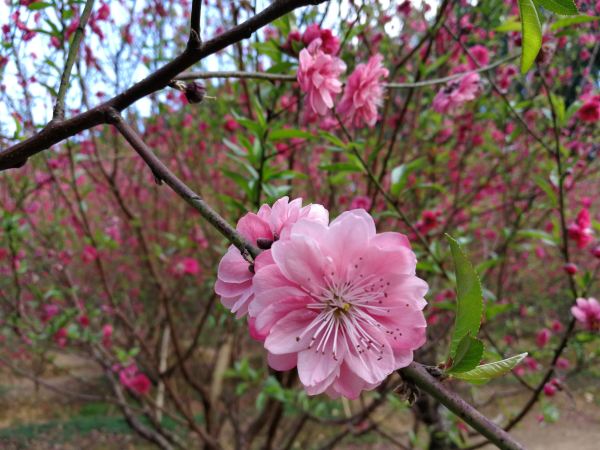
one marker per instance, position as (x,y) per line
(399,176)
(508,26)
(469,298)
(468,355)
(531,28)
(289,133)
(568,21)
(333,139)
(340,167)
(486,372)
(546,238)
(545,186)
(38,5)
(559,108)
(563,7)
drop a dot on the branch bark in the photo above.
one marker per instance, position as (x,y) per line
(59,107)
(163,173)
(418,374)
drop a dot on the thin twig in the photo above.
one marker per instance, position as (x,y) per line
(418,374)
(59,107)
(163,173)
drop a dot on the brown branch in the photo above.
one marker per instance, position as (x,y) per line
(59,107)
(163,173)
(418,374)
(17,155)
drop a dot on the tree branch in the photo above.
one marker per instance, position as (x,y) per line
(59,107)
(163,173)
(195,41)
(418,374)
(189,76)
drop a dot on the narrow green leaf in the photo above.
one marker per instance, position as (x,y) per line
(568,21)
(468,355)
(333,139)
(562,7)
(469,297)
(340,167)
(38,5)
(289,133)
(486,372)
(559,108)
(531,28)
(399,175)
(545,186)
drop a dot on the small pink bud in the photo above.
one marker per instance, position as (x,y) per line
(570,268)
(549,389)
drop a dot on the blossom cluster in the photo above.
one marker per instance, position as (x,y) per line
(337,300)
(318,76)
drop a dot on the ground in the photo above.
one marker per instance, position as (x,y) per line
(36,419)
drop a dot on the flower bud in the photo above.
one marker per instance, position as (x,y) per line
(194,92)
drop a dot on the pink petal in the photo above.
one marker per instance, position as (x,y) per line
(282,362)
(283,336)
(233,268)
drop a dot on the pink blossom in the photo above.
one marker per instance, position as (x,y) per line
(429,220)
(531,363)
(234,278)
(590,111)
(107,332)
(318,76)
(363,93)
(542,337)
(562,363)
(570,268)
(329,43)
(340,302)
(134,380)
(587,312)
(549,389)
(89,254)
(581,231)
(186,266)
(556,326)
(457,93)
(49,311)
(481,56)
(61,337)
(361,202)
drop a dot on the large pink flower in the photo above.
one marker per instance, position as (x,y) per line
(318,76)
(587,311)
(363,93)
(456,93)
(340,302)
(234,278)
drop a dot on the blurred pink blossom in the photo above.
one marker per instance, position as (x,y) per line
(363,93)
(457,93)
(318,76)
(587,312)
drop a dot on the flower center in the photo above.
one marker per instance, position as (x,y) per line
(345,318)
